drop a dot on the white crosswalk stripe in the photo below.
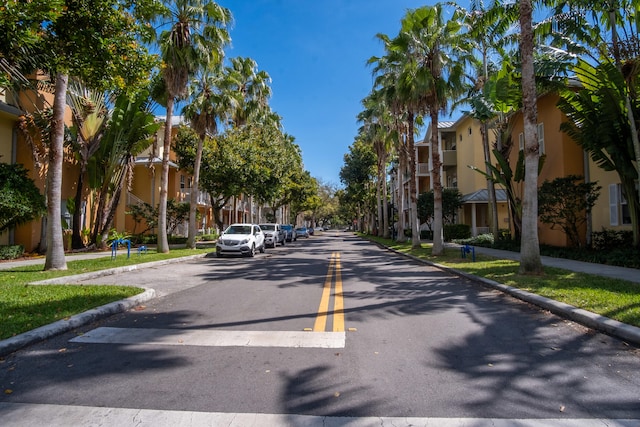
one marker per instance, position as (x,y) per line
(213,338)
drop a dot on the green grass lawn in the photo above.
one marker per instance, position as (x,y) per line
(613,298)
(24,307)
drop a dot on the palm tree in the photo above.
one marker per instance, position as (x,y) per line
(250,89)
(207,107)
(433,55)
(388,71)
(196,37)
(487,30)
(376,129)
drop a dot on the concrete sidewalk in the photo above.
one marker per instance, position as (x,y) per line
(629,274)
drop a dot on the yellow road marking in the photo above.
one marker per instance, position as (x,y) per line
(338,304)
(323,310)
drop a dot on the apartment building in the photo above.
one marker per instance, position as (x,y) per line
(460,146)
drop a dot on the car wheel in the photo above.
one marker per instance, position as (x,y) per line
(252,252)
(262,249)
(283,242)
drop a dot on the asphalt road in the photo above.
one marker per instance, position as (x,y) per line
(330,326)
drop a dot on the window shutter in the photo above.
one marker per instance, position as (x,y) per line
(541,137)
(521,141)
(613,204)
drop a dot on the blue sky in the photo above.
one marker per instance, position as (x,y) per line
(316,52)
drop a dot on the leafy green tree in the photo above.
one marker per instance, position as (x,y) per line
(451,202)
(196,37)
(20,199)
(565,202)
(63,42)
(357,173)
(177,213)
(304,195)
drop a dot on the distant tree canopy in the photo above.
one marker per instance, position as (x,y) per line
(20,199)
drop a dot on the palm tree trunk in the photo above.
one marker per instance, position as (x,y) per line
(413,197)
(163,242)
(438,240)
(193,208)
(530,262)
(55,259)
(385,208)
(401,237)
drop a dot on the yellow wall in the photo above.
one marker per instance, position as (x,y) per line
(600,212)
(563,157)
(470,153)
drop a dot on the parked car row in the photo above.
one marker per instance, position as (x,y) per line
(245,238)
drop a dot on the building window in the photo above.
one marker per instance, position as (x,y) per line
(541,138)
(182,182)
(618,207)
(521,141)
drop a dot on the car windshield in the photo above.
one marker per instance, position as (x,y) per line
(267,227)
(239,229)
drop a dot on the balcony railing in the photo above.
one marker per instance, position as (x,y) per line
(449,158)
(132,199)
(203,197)
(423,169)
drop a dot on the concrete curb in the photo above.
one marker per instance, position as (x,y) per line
(628,333)
(17,342)
(93,274)
(39,334)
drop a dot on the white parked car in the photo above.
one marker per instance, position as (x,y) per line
(241,239)
(273,234)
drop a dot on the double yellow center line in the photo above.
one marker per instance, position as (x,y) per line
(338,304)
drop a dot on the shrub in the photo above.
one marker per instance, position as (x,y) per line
(426,234)
(611,239)
(456,231)
(11,251)
(208,237)
(485,240)
(177,239)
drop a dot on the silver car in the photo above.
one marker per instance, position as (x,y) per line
(241,239)
(273,234)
